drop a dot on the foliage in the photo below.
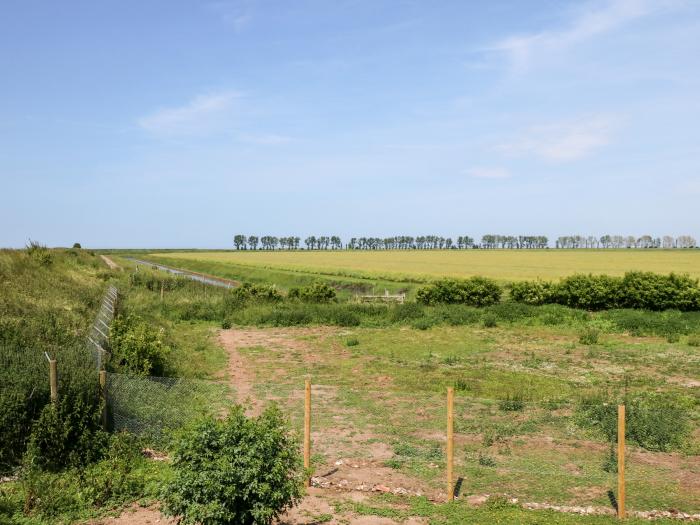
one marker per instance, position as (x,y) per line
(317,292)
(252,293)
(589,336)
(136,346)
(636,290)
(536,292)
(236,471)
(490,321)
(475,291)
(512,403)
(655,421)
(352,341)
(121,476)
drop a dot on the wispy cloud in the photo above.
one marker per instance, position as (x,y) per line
(593,19)
(266,139)
(563,141)
(234,14)
(483,172)
(199,115)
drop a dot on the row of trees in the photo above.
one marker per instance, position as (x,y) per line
(629,241)
(436,242)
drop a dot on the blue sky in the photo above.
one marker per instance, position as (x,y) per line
(173,123)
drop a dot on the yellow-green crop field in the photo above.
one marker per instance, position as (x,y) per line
(504,265)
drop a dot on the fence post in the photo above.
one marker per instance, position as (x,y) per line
(53,380)
(103,394)
(161,291)
(450,442)
(621,461)
(307,427)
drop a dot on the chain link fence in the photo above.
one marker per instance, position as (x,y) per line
(98,335)
(154,407)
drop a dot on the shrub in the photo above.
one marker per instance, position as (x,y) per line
(423,323)
(136,346)
(248,292)
(476,291)
(589,336)
(352,341)
(76,246)
(239,470)
(512,403)
(405,312)
(532,292)
(694,340)
(317,292)
(655,421)
(226,324)
(490,321)
(590,292)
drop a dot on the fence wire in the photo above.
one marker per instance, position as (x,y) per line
(153,407)
(98,335)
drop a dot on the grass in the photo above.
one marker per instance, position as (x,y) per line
(518,387)
(420,266)
(457,513)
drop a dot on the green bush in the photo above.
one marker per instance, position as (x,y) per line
(694,340)
(512,403)
(475,291)
(655,421)
(239,470)
(352,341)
(589,336)
(136,346)
(533,292)
(317,292)
(490,321)
(251,293)
(401,313)
(423,323)
(637,290)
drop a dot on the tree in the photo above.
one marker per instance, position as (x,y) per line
(77,246)
(253,242)
(239,241)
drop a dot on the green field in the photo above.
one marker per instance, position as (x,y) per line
(420,266)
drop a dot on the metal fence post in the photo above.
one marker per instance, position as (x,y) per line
(103,395)
(621,461)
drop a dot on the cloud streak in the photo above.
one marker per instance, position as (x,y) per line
(199,115)
(524,51)
(483,172)
(562,141)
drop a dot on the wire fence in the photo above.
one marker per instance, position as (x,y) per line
(391,441)
(155,407)
(98,335)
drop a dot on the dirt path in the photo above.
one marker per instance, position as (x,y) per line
(109,262)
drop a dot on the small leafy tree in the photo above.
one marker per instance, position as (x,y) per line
(136,346)
(239,471)
(317,292)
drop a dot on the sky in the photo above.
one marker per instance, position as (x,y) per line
(172,123)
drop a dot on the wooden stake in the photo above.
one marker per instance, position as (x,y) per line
(53,380)
(621,461)
(450,442)
(307,427)
(161,291)
(103,393)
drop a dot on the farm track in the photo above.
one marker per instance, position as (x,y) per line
(109,262)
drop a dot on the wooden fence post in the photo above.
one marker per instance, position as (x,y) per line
(53,380)
(307,427)
(450,442)
(621,461)
(161,291)
(103,394)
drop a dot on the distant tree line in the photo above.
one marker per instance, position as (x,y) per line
(464,242)
(629,241)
